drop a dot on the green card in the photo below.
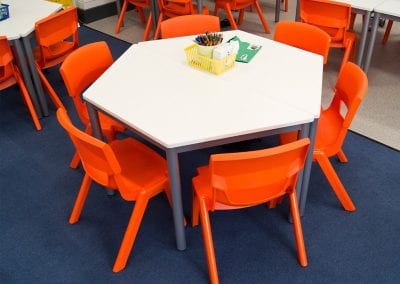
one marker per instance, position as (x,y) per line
(246,50)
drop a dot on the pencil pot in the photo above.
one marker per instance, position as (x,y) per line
(205,50)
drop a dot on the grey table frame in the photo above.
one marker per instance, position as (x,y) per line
(371,45)
(306,130)
(26,74)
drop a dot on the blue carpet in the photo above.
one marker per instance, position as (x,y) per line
(253,246)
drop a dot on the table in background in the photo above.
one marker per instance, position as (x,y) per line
(388,9)
(181,109)
(18,29)
(363,7)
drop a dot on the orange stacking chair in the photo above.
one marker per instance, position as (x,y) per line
(57,37)
(189,25)
(333,125)
(130,167)
(229,5)
(350,89)
(80,69)
(139,6)
(387,31)
(175,8)
(9,76)
(238,180)
(334,18)
(303,36)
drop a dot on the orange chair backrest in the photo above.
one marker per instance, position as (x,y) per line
(81,68)
(303,36)
(173,8)
(189,25)
(350,89)
(6,64)
(57,35)
(250,178)
(332,17)
(97,157)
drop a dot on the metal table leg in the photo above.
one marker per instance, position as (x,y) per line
(371,42)
(277,10)
(35,76)
(297,18)
(26,75)
(175,185)
(96,131)
(307,168)
(363,39)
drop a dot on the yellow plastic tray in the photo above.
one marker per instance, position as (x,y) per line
(211,65)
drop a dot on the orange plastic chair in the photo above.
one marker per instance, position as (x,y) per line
(238,180)
(130,167)
(303,36)
(334,18)
(80,69)
(139,6)
(241,5)
(387,31)
(350,89)
(57,37)
(9,76)
(189,25)
(175,8)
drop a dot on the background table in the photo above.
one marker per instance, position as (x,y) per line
(363,7)
(181,109)
(17,29)
(388,9)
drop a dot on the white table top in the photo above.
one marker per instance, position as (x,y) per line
(282,72)
(389,7)
(23,15)
(367,5)
(176,105)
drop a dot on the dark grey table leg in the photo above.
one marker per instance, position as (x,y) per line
(118,4)
(307,168)
(371,42)
(155,13)
(304,133)
(297,18)
(26,75)
(277,10)
(35,76)
(199,6)
(363,39)
(175,185)
(96,131)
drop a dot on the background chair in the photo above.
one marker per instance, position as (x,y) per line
(334,18)
(333,125)
(80,69)
(387,31)
(57,37)
(238,180)
(139,6)
(241,5)
(9,76)
(176,8)
(128,166)
(303,36)
(189,25)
